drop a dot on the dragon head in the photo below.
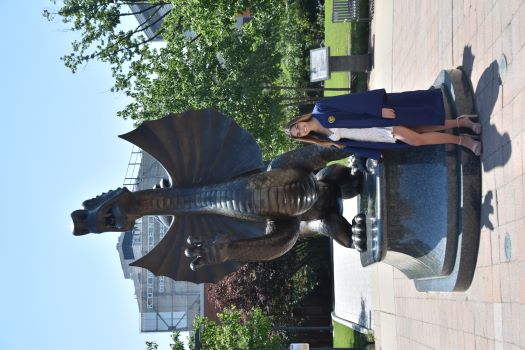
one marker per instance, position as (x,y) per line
(109,212)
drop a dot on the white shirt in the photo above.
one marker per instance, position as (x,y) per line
(375,134)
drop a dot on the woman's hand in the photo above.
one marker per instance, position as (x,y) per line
(388,113)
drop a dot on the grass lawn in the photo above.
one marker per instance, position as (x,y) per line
(346,337)
(345,38)
(337,38)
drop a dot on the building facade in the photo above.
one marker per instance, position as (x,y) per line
(164,304)
(150,17)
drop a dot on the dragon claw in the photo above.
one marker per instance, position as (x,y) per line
(194,240)
(359,232)
(197,264)
(206,252)
(193,251)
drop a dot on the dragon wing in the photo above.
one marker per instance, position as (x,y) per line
(198,147)
(168,258)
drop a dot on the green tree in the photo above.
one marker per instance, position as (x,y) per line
(176,345)
(234,332)
(252,331)
(218,65)
(278,287)
(99,23)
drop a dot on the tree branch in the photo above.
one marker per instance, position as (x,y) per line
(196,37)
(141,43)
(128,36)
(139,2)
(138,12)
(140,28)
(276,87)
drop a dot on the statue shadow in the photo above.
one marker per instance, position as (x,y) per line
(364,319)
(487,209)
(487,91)
(468,61)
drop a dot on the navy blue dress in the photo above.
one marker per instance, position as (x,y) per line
(363,110)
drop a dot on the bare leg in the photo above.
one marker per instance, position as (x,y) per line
(449,124)
(463,121)
(415,138)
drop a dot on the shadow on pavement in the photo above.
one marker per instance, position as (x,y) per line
(363,314)
(496,146)
(487,91)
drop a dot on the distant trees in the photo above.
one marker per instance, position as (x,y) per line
(278,286)
(102,37)
(221,66)
(251,332)
(176,345)
(259,296)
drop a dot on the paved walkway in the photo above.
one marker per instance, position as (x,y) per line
(352,283)
(413,41)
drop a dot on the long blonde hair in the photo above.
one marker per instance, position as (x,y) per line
(312,137)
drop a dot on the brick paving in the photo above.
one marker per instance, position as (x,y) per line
(413,40)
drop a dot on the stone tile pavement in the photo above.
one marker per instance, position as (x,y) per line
(413,40)
(352,283)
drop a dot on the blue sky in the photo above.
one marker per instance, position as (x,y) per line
(60,148)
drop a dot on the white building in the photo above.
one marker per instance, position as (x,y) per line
(164,304)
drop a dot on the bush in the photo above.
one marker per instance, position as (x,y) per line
(234,332)
(278,287)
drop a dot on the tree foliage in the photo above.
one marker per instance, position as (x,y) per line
(277,286)
(206,62)
(102,37)
(234,332)
(176,345)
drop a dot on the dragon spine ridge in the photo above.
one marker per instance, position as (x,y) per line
(236,198)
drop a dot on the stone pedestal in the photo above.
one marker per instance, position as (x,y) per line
(423,204)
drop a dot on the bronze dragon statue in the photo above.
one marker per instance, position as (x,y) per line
(228,207)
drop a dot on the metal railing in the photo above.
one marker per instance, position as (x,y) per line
(347,11)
